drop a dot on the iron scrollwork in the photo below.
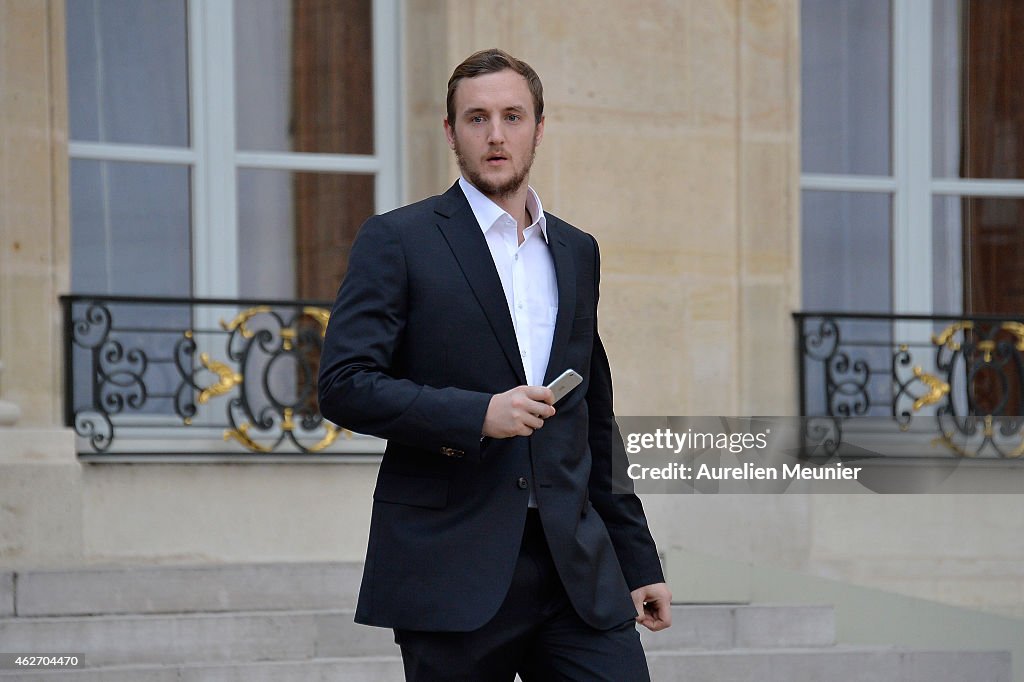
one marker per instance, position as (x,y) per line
(113,386)
(983,362)
(257,351)
(265,373)
(968,377)
(846,377)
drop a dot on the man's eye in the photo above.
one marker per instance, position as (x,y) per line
(477,119)
(514,117)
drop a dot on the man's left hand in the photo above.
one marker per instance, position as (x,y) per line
(653,606)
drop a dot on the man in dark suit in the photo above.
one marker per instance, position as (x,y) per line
(496,543)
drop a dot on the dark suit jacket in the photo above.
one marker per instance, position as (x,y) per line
(419,340)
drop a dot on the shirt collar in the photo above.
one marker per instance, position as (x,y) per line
(487,212)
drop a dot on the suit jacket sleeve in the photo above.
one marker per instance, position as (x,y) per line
(623,514)
(359,387)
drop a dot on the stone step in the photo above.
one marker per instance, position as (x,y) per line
(180,589)
(301,634)
(354,669)
(757,626)
(836,664)
(854,664)
(203,637)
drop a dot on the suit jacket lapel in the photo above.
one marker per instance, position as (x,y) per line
(565,274)
(462,232)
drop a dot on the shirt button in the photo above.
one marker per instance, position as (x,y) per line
(522,483)
(515,257)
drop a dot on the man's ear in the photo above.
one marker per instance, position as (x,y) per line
(538,134)
(449,133)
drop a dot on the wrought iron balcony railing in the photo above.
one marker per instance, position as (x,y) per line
(196,376)
(959,379)
(185,376)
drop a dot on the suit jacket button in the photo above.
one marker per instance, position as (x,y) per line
(522,483)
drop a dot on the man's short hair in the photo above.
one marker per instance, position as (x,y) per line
(492,61)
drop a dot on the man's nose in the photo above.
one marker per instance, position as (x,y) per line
(495,132)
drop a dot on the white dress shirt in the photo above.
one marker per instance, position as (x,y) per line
(527,274)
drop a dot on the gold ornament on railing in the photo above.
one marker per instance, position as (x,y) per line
(243,317)
(289,335)
(228,378)
(937,388)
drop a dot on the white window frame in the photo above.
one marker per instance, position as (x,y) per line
(214,162)
(912,185)
(214,159)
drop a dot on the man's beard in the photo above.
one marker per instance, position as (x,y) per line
(491,189)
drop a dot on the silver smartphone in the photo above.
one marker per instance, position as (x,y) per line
(567,381)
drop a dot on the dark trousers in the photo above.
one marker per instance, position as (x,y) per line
(535,633)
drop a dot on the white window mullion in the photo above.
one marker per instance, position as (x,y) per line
(912,163)
(134,153)
(979,188)
(307,161)
(912,156)
(387,104)
(197,127)
(215,235)
(847,183)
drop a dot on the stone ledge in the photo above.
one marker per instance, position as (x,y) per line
(181,589)
(40,499)
(37,444)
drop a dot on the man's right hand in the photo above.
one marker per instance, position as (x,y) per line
(518,412)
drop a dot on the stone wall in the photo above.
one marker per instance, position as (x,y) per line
(34,232)
(40,477)
(671,135)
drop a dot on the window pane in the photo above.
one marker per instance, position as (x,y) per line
(128,71)
(978,248)
(947,255)
(978,119)
(846,257)
(846,82)
(130,228)
(304,75)
(993,244)
(946,80)
(296,230)
(847,251)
